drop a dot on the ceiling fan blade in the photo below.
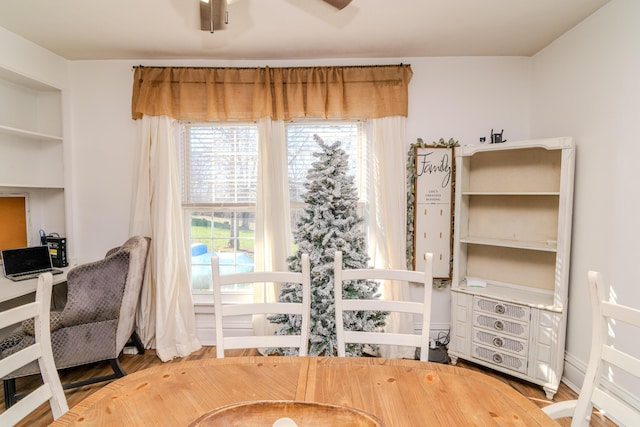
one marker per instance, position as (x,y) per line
(213,15)
(338,4)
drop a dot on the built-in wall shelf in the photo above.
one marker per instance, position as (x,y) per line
(28,134)
(32,150)
(24,186)
(21,80)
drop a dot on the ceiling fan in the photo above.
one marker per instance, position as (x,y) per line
(214,14)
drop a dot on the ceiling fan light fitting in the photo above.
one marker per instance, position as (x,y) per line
(213,15)
(338,4)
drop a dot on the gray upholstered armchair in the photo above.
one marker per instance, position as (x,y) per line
(98,319)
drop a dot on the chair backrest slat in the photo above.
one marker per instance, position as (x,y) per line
(51,389)
(392,278)
(19,359)
(604,355)
(382,305)
(623,414)
(302,308)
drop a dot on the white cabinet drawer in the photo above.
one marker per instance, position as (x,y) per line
(500,358)
(501,325)
(501,308)
(501,342)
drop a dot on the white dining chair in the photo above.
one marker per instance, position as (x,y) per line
(222,311)
(40,351)
(391,277)
(604,357)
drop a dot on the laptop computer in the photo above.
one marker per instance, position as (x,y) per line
(27,263)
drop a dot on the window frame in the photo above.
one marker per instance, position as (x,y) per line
(203,296)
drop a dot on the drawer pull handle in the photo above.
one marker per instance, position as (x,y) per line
(497,358)
(499,325)
(500,309)
(498,342)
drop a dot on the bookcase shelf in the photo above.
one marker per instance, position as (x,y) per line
(549,246)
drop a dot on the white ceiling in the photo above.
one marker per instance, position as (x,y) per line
(293,29)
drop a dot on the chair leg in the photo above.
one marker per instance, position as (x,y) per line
(11,397)
(135,340)
(117,368)
(118,372)
(9,392)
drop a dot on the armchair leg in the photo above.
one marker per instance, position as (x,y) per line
(9,392)
(118,371)
(135,340)
(11,397)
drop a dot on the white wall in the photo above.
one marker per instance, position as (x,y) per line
(586,85)
(465,97)
(104,144)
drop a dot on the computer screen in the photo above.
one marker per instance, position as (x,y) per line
(22,260)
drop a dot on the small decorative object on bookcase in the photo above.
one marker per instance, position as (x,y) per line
(496,138)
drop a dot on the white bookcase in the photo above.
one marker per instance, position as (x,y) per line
(31,150)
(512,237)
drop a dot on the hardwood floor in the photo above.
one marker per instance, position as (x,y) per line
(133,363)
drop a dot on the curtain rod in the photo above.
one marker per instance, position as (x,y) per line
(254,68)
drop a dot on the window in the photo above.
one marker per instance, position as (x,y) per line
(219,172)
(219,163)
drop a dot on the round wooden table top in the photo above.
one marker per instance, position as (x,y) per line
(398,392)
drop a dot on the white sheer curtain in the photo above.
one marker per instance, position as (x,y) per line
(166,318)
(388,217)
(273,228)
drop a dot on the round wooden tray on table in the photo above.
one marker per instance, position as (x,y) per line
(265,413)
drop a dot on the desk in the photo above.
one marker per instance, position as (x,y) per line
(10,290)
(402,393)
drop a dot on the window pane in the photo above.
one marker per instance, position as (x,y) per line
(228,235)
(301,146)
(221,164)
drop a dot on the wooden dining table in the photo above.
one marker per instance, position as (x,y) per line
(398,392)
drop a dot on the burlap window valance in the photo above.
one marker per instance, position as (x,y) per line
(352,92)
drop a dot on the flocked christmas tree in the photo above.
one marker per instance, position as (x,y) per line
(330,223)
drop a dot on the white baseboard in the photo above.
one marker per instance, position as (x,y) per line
(573,373)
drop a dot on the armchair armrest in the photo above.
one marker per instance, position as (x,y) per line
(55,323)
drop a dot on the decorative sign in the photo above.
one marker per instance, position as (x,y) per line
(433,208)
(434,174)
